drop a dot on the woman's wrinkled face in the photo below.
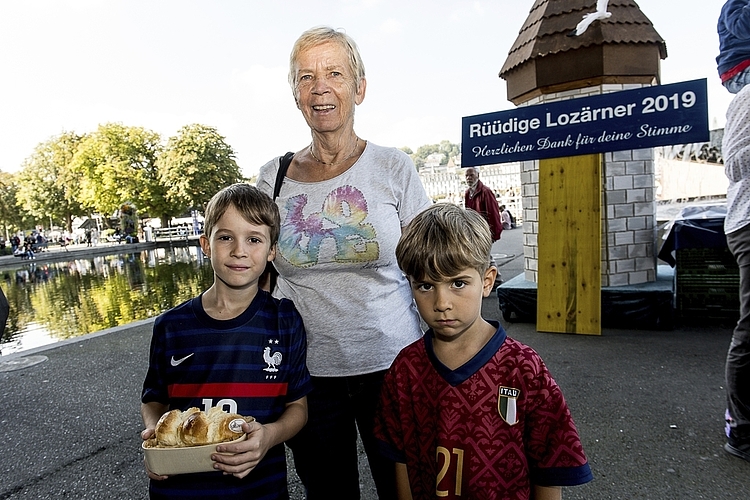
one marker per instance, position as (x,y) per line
(326,90)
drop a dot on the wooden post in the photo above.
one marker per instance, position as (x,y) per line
(569,283)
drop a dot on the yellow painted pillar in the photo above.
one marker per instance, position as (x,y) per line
(569,275)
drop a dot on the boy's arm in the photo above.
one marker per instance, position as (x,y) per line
(150,413)
(261,438)
(547,492)
(403,489)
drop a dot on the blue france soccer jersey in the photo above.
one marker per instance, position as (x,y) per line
(253,365)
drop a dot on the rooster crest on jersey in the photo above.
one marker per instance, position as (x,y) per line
(506,404)
(272,360)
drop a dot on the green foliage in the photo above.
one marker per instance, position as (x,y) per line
(448,149)
(195,165)
(11,213)
(47,188)
(118,163)
(73,175)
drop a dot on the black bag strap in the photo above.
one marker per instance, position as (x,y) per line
(284,163)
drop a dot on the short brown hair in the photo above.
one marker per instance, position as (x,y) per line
(442,241)
(255,207)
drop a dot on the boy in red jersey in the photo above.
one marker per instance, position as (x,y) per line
(467,412)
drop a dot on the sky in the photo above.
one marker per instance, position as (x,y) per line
(71,65)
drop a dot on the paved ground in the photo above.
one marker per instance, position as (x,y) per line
(648,405)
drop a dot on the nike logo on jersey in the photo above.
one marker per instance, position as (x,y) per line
(175,362)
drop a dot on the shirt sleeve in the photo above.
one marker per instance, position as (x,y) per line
(299,381)
(493,214)
(411,193)
(736,141)
(554,449)
(154,386)
(387,429)
(737,21)
(267,176)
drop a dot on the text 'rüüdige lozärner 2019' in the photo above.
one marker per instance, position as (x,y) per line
(586,114)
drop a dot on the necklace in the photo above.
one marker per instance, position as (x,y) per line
(356,143)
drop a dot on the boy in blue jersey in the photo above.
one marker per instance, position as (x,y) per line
(467,412)
(236,347)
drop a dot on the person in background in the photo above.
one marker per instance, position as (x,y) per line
(236,347)
(733,61)
(480,198)
(28,250)
(466,411)
(505,217)
(736,151)
(15,243)
(343,203)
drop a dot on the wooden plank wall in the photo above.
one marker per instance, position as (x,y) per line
(569,277)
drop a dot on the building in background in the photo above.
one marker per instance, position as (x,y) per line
(446,183)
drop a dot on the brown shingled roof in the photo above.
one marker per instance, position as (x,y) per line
(546,30)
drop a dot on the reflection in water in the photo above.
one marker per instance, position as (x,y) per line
(59,300)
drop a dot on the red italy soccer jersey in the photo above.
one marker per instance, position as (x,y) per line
(487,430)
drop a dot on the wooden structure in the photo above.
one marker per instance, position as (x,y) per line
(569,289)
(545,59)
(579,237)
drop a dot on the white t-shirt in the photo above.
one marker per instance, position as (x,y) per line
(336,260)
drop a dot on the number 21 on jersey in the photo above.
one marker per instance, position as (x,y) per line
(451,470)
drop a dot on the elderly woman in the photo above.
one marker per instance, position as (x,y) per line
(343,203)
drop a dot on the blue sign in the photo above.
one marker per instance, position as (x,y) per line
(659,115)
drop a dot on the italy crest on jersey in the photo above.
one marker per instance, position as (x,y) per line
(506,404)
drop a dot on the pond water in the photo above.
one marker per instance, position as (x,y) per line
(55,301)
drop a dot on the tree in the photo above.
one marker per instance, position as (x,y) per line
(47,188)
(12,215)
(196,164)
(427,149)
(116,164)
(450,149)
(447,148)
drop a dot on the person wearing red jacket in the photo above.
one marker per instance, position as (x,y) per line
(480,198)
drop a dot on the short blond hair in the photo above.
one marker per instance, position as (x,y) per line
(442,241)
(322,34)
